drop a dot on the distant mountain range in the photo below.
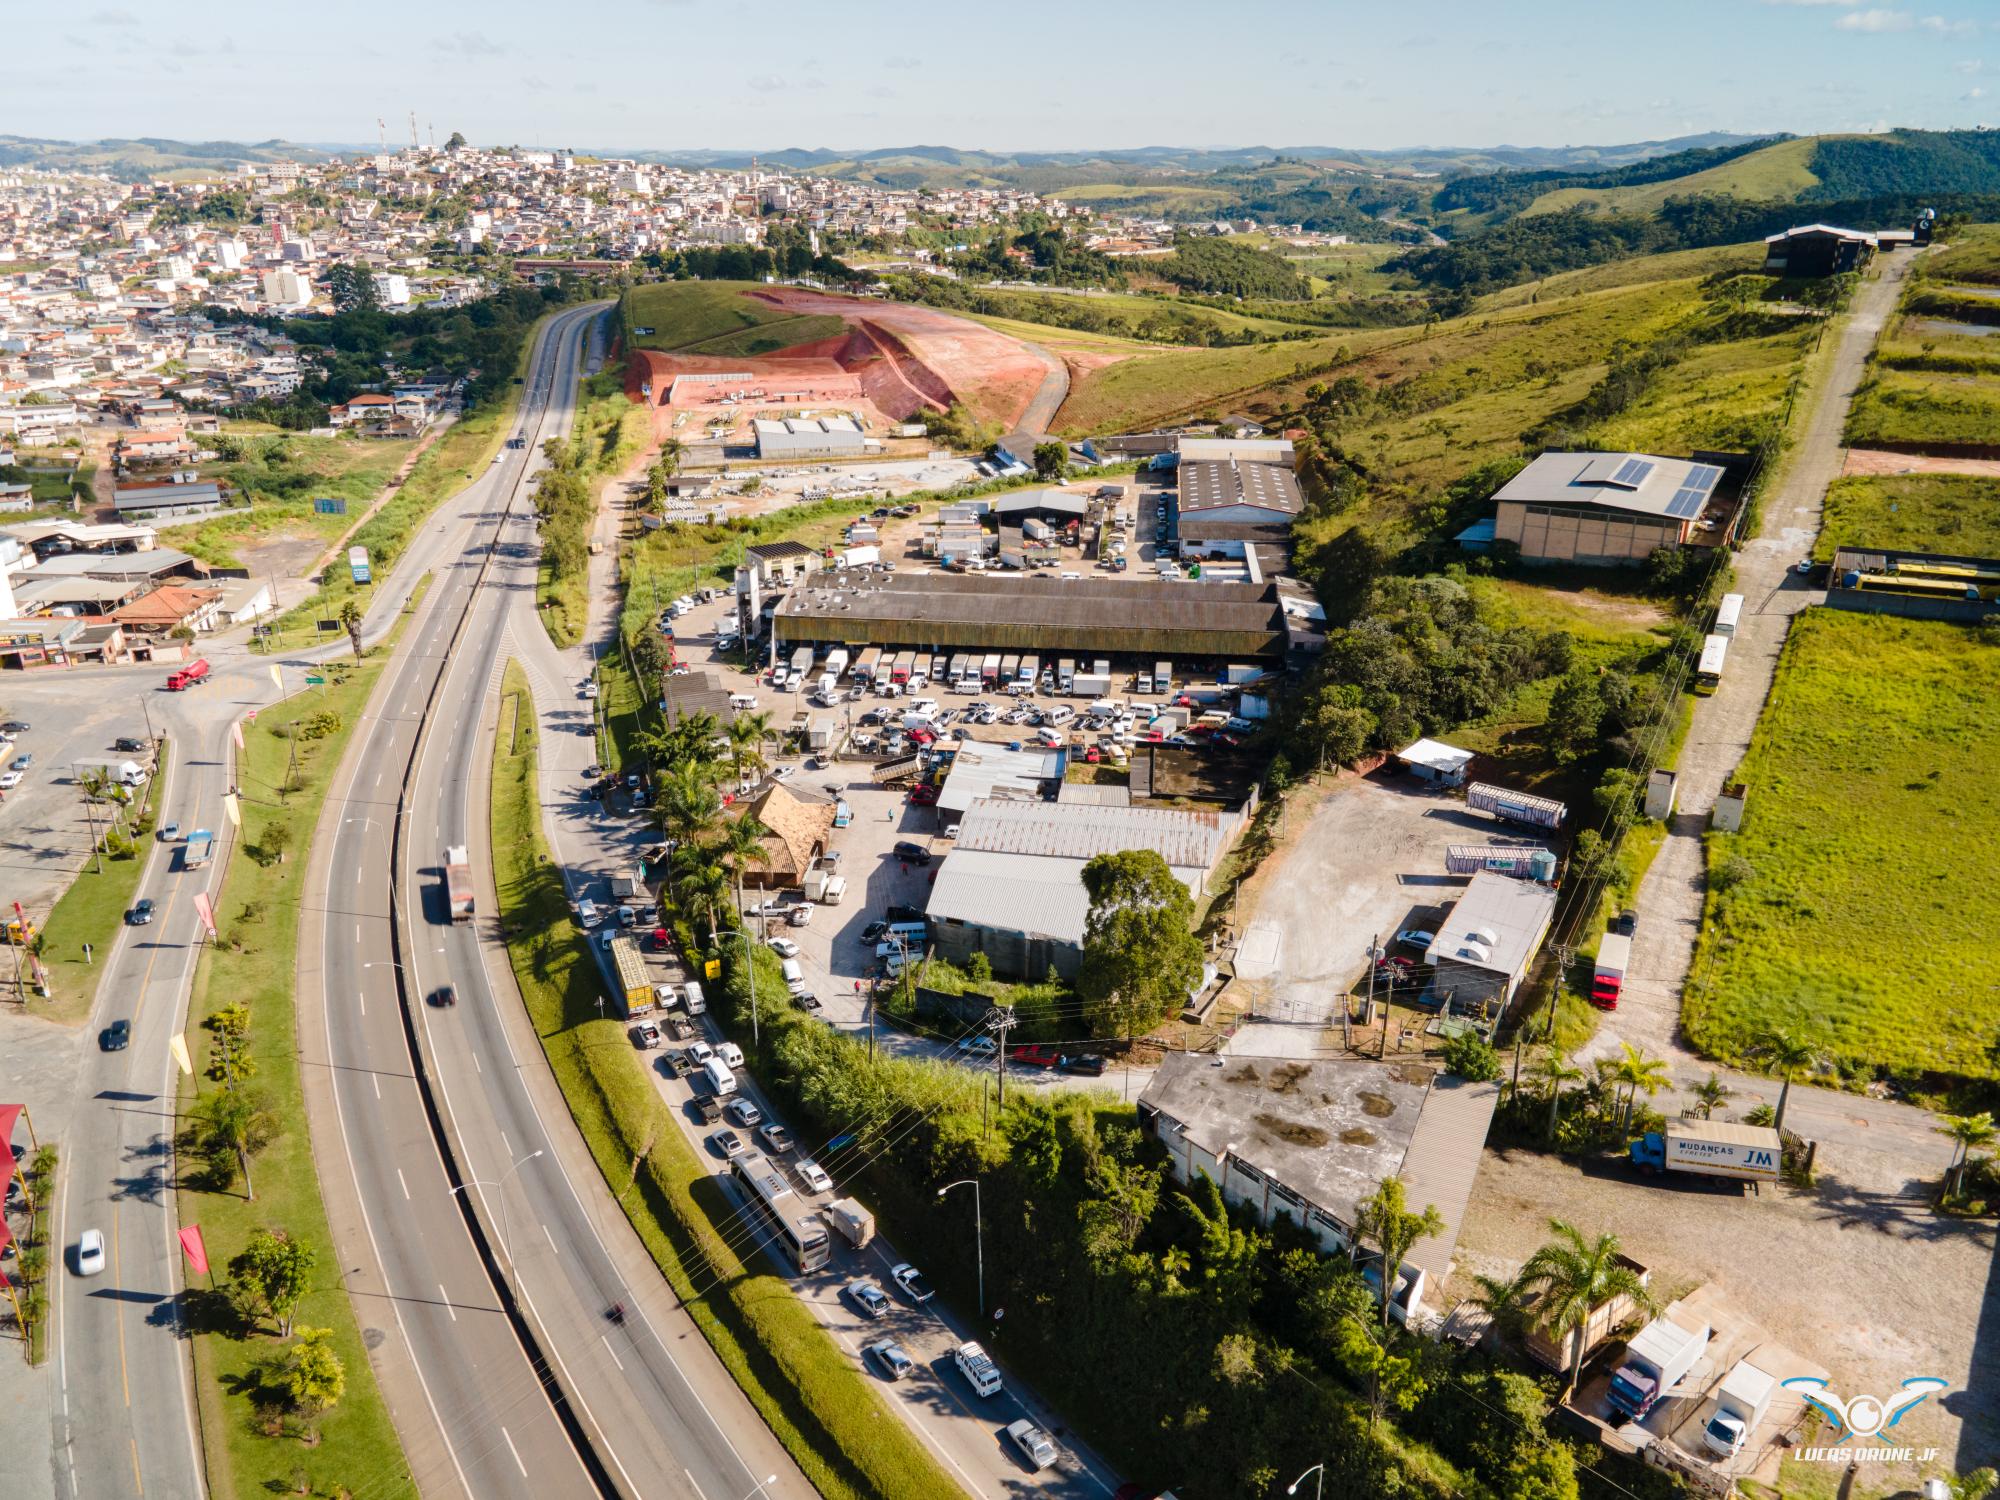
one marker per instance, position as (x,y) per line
(140,157)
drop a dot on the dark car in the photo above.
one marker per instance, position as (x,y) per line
(1087,1063)
(128,745)
(444,994)
(14,726)
(115,1037)
(708,1108)
(1627,923)
(916,854)
(872,933)
(140,914)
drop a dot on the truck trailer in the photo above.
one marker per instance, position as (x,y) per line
(199,846)
(635,985)
(1711,1148)
(1515,807)
(458,882)
(187,676)
(1522,861)
(851,1221)
(1739,1406)
(1656,1360)
(1607,978)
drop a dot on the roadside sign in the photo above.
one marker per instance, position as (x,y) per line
(314,681)
(326,625)
(712,969)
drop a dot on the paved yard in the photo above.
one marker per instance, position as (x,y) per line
(1870,1285)
(1366,862)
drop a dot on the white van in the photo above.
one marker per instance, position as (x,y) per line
(587,913)
(795,977)
(692,997)
(1058,716)
(730,1053)
(720,1080)
(743,700)
(1055,739)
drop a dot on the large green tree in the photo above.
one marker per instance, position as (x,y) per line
(1386,1221)
(1570,1278)
(1140,955)
(271,1274)
(314,1377)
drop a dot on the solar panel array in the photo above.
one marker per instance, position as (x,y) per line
(1694,491)
(1632,473)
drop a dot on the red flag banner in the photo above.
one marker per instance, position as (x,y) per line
(236,732)
(205,909)
(197,1253)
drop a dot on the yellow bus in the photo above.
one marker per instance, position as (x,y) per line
(1714,655)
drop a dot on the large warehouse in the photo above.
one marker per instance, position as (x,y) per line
(1038,612)
(1610,507)
(809,437)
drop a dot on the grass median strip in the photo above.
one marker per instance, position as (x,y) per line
(255,1443)
(88,914)
(817,1402)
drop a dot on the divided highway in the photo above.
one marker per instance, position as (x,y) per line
(637,1424)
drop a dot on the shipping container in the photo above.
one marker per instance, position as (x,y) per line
(1523,861)
(458,883)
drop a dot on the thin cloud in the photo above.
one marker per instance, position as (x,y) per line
(1969,65)
(1974,93)
(1876,20)
(1813,2)
(113,18)
(468,44)
(1948,28)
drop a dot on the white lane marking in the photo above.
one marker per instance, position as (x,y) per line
(475,1064)
(376,1079)
(517,1456)
(405,1186)
(362,1000)
(506,1145)
(612,1352)
(697,1488)
(551,1239)
(445,1298)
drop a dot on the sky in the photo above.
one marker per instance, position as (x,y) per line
(1032,75)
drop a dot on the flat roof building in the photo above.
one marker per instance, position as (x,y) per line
(1434,760)
(167,499)
(1039,612)
(1228,505)
(1609,507)
(1310,1141)
(1486,942)
(1257,450)
(981,770)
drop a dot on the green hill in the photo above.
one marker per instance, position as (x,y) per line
(1781,170)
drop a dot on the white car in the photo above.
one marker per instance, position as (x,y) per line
(743,1112)
(1033,1443)
(587,913)
(868,1297)
(699,1053)
(90,1252)
(813,1175)
(981,1045)
(730,1053)
(9,781)
(784,947)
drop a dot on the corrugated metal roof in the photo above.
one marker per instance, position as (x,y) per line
(1185,840)
(1443,1161)
(979,770)
(1676,488)
(1496,925)
(1208,486)
(1012,893)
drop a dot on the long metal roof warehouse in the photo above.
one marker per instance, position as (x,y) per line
(1039,613)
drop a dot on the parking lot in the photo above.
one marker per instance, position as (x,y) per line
(1368,863)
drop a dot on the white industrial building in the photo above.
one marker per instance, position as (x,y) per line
(1012,886)
(809,437)
(1486,942)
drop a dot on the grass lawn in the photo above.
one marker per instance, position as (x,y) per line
(90,911)
(684,314)
(1972,255)
(1952,513)
(1781,170)
(816,1399)
(1855,899)
(613,431)
(279,477)
(257,912)
(769,338)
(1924,407)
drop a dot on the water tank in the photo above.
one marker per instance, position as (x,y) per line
(1542,865)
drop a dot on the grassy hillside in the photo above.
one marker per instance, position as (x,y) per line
(686,315)
(1922,408)
(1952,513)
(1833,909)
(1783,170)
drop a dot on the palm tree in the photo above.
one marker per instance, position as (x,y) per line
(688,805)
(1570,1278)
(704,891)
(746,742)
(1967,1134)
(1551,1070)
(1711,1096)
(742,846)
(229,1122)
(1791,1055)
(1499,1300)
(1633,1072)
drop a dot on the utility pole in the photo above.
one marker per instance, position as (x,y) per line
(1000,1021)
(1374,948)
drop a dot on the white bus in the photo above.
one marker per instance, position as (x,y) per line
(1714,654)
(1728,613)
(787,1229)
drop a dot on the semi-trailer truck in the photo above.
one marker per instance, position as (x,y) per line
(1607,977)
(1739,1406)
(635,985)
(1711,1148)
(1659,1355)
(1515,807)
(458,882)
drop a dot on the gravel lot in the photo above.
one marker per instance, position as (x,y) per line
(1873,1286)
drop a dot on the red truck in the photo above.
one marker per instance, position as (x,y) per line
(1034,1055)
(187,676)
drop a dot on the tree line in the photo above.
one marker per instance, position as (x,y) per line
(1222,267)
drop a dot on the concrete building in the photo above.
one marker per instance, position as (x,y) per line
(1229,505)
(287,288)
(782,563)
(1435,761)
(1310,1141)
(1486,943)
(980,770)
(1257,450)
(808,437)
(1012,885)
(1613,508)
(153,501)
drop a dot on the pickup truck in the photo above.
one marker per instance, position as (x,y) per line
(1035,1055)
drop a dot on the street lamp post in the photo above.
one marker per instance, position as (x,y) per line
(978,1232)
(1319,1483)
(750,963)
(762,1485)
(505,1252)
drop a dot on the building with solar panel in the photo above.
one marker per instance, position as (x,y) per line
(1612,508)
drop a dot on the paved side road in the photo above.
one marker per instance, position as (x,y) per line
(1890,1143)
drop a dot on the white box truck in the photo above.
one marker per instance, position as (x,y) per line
(1659,1355)
(1711,1148)
(1607,977)
(853,1222)
(1739,1406)
(836,661)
